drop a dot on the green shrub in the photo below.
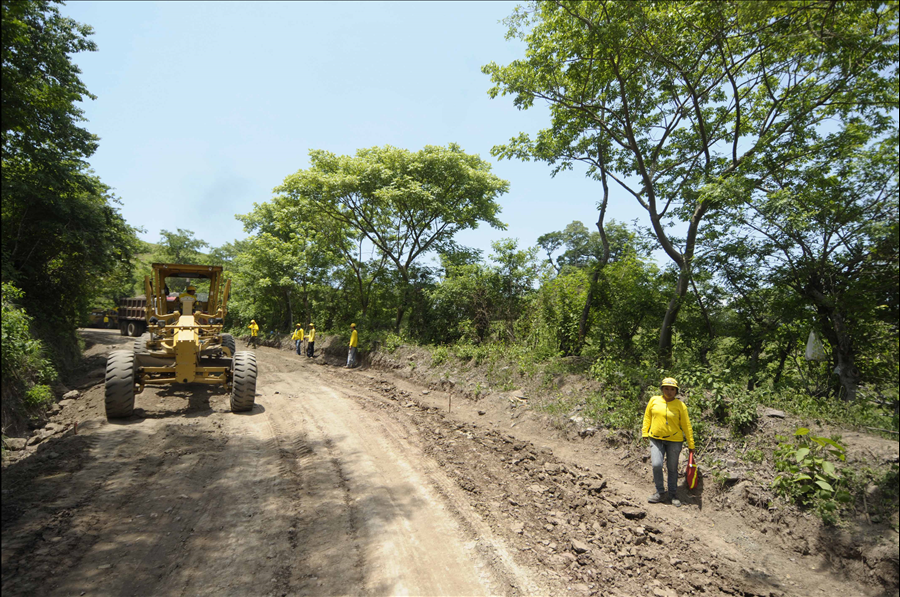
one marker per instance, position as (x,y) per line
(39,396)
(808,476)
(392,342)
(439,355)
(26,369)
(754,455)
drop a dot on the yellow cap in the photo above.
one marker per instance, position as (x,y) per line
(299,326)
(353,325)
(669,381)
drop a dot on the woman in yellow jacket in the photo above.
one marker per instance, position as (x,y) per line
(297,337)
(667,425)
(354,343)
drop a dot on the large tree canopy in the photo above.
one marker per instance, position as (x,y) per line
(64,241)
(41,87)
(672,99)
(405,203)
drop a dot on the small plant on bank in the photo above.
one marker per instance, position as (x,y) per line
(808,476)
(754,455)
(439,355)
(392,342)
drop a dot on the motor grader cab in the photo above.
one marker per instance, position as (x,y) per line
(183,343)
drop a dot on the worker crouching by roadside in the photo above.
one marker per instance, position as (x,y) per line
(667,426)
(354,344)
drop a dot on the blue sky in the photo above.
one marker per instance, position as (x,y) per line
(203,108)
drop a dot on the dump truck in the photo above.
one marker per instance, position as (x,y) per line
(183,342)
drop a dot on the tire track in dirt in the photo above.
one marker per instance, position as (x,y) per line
(404,506)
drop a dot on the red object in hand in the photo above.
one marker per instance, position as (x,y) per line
(691,473)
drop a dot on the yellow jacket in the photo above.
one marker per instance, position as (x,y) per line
(311,337)
(354,339)
(297,335)
(667,421)
(254,329)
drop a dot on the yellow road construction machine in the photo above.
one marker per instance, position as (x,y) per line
(183,343)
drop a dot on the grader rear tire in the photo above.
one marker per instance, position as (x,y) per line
(140,345)
(243,387)
(120,372)
(229,343)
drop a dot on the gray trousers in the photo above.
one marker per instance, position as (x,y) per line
(351,356)
(669,451)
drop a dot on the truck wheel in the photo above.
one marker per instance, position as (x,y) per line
(228,342)
(134,329)
(123,329)
(120,384)
(140,345)
(243,386)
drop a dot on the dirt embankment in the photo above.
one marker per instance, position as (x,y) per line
(367,481)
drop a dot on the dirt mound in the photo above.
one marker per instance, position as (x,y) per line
(733,495)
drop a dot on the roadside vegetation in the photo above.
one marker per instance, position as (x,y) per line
(759,141)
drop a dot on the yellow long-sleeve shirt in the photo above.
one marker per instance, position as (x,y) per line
(354,339)
(311,337)
(254,329)
(297,335)
(667,421)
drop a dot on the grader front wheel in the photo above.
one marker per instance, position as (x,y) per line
(243,387)
(119,398)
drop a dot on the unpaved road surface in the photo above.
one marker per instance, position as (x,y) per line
(355,483)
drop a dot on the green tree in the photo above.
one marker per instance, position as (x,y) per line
(63,238)
(668,98)
(516,272)
(827,229)
(41,90)
(404,203)
(179,247)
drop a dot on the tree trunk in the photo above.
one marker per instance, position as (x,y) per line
(843,351)
(665,334)
(846,368)
(601,263)
(707,346)
(784,352)
(755,349)
(290,312)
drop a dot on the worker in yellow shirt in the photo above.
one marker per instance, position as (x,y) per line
(311,341)
(667,426)
(254,332)
(354,344)
(297,337)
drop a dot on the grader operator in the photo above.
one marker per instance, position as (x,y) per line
(184,342)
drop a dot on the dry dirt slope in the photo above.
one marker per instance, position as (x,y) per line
(360,482)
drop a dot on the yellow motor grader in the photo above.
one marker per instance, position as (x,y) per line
(183,343)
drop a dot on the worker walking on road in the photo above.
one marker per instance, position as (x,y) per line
(297,337)
(354,343)
(254,331)
(311,341)
(667,426)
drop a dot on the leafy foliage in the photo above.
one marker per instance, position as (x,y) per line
(64,241)
(809,476)
(25,366)
(690,106)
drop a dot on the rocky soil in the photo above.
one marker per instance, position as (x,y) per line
(394,479)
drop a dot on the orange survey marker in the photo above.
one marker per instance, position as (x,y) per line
(691,473)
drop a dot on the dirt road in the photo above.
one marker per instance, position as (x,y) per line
(351,483)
